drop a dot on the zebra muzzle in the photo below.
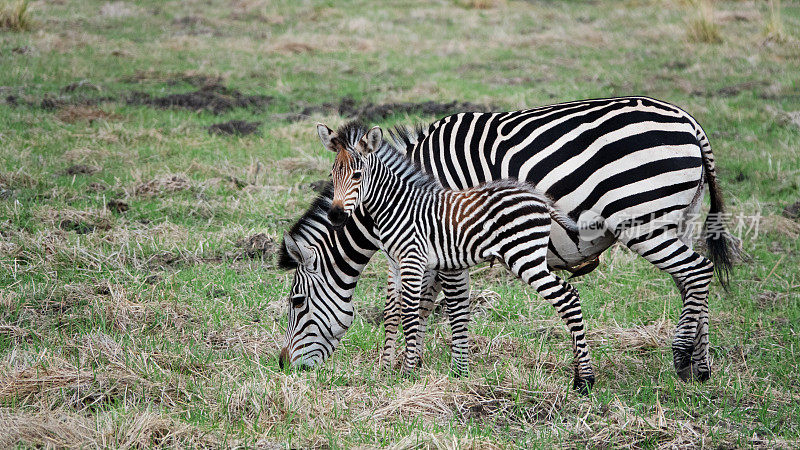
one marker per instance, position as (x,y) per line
(337,216)
(283,359)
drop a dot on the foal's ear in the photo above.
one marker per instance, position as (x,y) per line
(326,135)
(371,141)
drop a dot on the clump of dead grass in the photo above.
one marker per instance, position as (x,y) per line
(656,335)
(162,185)
(79,113)
(773,28)
(77,220)
(774,223)
(701,26)
(15,16)
(479,4)
(305,164)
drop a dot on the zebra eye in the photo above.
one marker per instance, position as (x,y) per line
(357,175)
(298,301)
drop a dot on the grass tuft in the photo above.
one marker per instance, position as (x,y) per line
(701,27)
(773,28)
(479,4)
(15,16)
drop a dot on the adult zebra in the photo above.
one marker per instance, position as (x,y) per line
(636,165)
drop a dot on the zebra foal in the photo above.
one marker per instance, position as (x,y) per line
(422,227)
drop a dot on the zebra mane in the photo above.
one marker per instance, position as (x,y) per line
(317,213)
(406,138)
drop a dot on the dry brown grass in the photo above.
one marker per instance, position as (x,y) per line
(165,184)
(15,16)
(79,220)
(773,28)
(73,114)
(654,336)
(701,26)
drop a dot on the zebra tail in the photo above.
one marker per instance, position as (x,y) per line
(717,238)
(563,219)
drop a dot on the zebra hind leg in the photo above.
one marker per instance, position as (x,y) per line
(567,302)
(692,274)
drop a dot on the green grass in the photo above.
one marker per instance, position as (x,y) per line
(151,327)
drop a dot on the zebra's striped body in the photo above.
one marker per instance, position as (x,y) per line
(423,227)
(627,160)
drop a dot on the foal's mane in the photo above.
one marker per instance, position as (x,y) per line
(393,153)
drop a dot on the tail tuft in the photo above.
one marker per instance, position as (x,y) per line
(717,238)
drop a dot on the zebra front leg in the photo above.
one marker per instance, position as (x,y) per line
(455,286)
(411,279)
(391,317)
(567,302)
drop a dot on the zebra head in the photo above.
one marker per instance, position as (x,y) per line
(318,318)
(348,174)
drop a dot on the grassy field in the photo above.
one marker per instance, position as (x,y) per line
(140,302)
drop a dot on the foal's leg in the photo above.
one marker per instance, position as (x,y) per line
(391,317)
(412,272)
(430,290)
(532,268)
(456,291)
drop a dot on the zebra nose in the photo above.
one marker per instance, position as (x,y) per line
(337,216)
(283,359)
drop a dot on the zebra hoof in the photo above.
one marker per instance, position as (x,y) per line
(583,385)
(683,364)
(700,372)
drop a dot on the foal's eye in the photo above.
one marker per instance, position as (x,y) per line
(357,175)
(297,302)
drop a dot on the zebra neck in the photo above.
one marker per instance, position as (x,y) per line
(394,182)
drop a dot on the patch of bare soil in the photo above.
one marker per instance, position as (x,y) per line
(215,98)
(234,128)
(117,205)
(348,107)
(80,86)
(792,211)
(80,169)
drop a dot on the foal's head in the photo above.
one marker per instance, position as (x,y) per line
(350,173)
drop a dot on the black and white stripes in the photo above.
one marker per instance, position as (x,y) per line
(634,165)
(423,226)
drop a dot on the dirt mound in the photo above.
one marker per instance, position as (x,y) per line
(792,211)
(165,184)
(257,245)
(234,127)
(80,169)
(215,98)
(348,107)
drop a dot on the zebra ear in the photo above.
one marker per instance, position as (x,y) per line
(326,135)
(371,141)
(295,250)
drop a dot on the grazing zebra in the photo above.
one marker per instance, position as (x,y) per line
(423,226)
(623,161)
